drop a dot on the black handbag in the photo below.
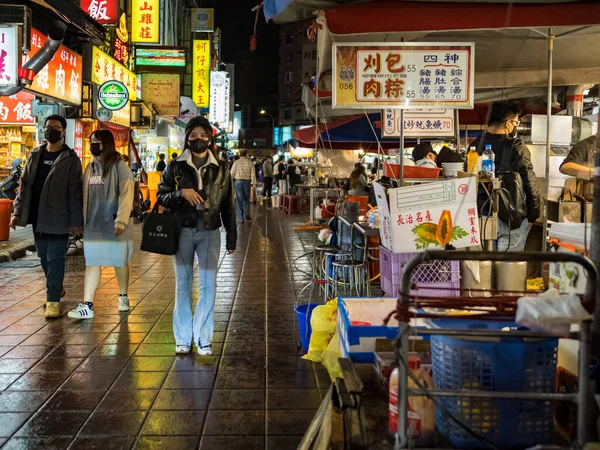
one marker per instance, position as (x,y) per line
(512,209)
(160,233)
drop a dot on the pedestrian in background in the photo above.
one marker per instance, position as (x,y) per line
(198,188)
(50,200)
(267,169)
(108,193)
(244,174)
(294,176)
(281,177)
(161,164)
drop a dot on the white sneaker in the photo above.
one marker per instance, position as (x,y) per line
(183,349)
(83,311)
(123,303)
(205,351)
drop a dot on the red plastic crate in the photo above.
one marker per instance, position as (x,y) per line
(435,274)
(393,171)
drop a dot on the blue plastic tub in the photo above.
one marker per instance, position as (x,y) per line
(303,313)
(499,365)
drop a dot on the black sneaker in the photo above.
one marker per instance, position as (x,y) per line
(248,218)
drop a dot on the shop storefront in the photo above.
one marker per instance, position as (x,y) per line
(17,128)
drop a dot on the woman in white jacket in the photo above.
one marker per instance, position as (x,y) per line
(108,191)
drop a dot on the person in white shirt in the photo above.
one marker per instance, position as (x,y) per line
(244,174)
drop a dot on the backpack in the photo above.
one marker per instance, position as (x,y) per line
(512,209)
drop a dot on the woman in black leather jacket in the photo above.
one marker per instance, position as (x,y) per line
(198,188)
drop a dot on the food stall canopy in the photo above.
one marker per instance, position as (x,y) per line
(511,48)
(286,11)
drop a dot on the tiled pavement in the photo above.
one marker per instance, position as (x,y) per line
(114,382)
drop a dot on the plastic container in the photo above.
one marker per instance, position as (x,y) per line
(472,161)
(451,169)
(435,274)
(488,163)
(303,313)
(393,171)
(5,213)
(421,410)
(494,364)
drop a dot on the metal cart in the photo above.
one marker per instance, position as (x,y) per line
(583,398)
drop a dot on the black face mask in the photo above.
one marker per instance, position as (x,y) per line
(52,136)
(198,145)
(95,148)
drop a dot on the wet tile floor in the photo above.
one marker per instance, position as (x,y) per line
(113,382)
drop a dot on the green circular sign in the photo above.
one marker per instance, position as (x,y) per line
(113,95)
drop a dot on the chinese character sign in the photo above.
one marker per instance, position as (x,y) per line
(201,75)
(403,76)
(432,215)
(104,12)
(16,109)
(106,68)
(419,123)
(61,78)
(218,100)
(10,55)
(145,21)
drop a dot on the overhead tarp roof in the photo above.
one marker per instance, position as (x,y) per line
(510,39)
(285,11)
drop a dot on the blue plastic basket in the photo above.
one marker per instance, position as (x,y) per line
(303,313)
(499,365)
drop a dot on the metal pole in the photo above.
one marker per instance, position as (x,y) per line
(401,147)
(548,146)
(457,125)
(595,246)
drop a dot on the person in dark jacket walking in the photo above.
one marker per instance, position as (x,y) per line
(267,169)
(502,124)
(51,201)
(199,189)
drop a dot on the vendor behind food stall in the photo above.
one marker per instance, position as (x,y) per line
(580,161)
(426,151)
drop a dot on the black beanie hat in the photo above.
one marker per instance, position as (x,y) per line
(198,121)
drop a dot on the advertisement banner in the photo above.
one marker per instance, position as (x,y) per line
(419,123)
(16,109)
(160,59)
(403,76)
(105,68)
(201,75)
(203,20)
(10,55)
(62,77)
(429,216)
(145,21)
(105,12)
(120,117)
(218,91)
(162,90)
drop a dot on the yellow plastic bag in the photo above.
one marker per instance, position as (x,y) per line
(331,356)
(323,322)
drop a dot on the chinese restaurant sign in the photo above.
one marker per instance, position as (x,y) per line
(419,123)
(201,75)
(78,141)
(429,216)
(403,76)
(145,21)
(218,94)
(10,55)
(104,12)
(16,109)
(162,90)
(61,78)
(105,68)
(203,20)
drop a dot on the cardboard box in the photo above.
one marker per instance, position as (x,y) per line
(410,217)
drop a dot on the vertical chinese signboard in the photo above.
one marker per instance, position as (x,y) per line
(218,100)
(104,12)
(419,123)
(16,109)
(145,21)
(61,78)
(10,55)
(105,68)
(403,76)
(201,75)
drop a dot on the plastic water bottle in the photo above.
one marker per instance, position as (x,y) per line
(488,164)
